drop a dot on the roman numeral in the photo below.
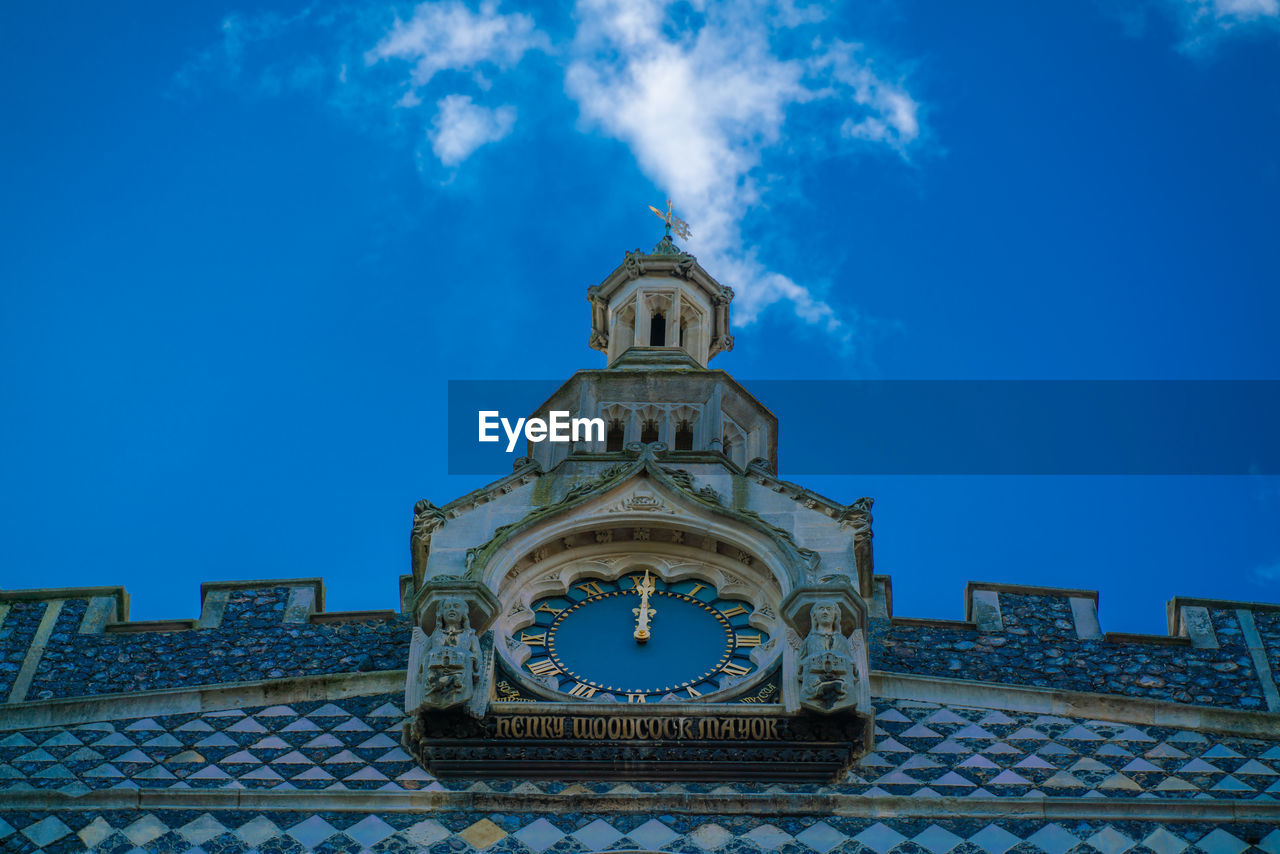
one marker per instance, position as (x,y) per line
(547,609)
(635,698)
(591,588)
(747,640)
(545,667)
(696,588)
(735,669)
(693,693)
(533,640)
(734,611)
(581,690)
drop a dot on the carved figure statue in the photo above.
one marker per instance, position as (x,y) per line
(449,666)
(828,670)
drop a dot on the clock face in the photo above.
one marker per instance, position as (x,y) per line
(595,640)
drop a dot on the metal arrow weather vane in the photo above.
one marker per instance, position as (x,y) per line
(673,222)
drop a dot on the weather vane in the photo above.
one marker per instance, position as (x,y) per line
(673,222)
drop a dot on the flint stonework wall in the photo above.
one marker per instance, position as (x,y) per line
(16,634)
(252,642)
(1039,646)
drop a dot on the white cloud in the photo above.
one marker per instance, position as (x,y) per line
(705,94)
(461,126)
(701,106)
(449,36)
(1205,22)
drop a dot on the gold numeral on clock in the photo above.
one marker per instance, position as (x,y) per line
(591,588)
(581,690)
(693,693)
(696,588)
(747,640)
(547,609)
(635,698)
(735,669)
(734,611)
(545,667)
(533,640)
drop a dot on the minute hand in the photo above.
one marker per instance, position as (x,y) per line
(644,612)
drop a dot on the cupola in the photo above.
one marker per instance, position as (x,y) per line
(660,310)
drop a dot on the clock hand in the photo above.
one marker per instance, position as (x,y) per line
(644,612)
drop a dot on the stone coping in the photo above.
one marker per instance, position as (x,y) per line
(197,699)
(316,584)
(42,594)
(351,616)
(150,626)
(930,623)
(576,799)
(1132,637)
(1073,704)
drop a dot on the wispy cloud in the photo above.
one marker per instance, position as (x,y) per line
(1202,23)
(1268,574)
(449,36)
(460,127)
(701,106)
(704,95)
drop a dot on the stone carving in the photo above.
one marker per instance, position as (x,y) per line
(827,665)
(448,661)
(640,534)
(426,519)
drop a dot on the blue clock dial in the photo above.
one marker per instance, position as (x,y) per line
(640,639)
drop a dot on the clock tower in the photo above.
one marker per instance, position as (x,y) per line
(634,605)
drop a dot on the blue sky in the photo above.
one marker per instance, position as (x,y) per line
(245,246)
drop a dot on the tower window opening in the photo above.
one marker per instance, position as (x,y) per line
(658,331)
(613,438)
(649,431)
(683,328)
(684,436)
(727,447)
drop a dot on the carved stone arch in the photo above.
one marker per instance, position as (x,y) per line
(722,529)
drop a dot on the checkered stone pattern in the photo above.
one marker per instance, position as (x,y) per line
(353,744)
(922,750)
(222,832)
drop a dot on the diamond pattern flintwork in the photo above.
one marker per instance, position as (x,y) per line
(230,832)
(921,750)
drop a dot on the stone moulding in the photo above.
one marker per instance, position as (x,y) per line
(1080,704)
(798,804)
(197,699)
(884,685)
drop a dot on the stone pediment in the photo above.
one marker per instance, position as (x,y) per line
(636,490)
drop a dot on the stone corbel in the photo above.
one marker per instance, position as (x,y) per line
(449,668)
(829,670)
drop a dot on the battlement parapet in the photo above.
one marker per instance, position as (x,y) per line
(67,642)
(1218,653)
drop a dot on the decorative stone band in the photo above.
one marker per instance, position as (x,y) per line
(1107,707)
(656,803)
(197,699)
(892,686)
